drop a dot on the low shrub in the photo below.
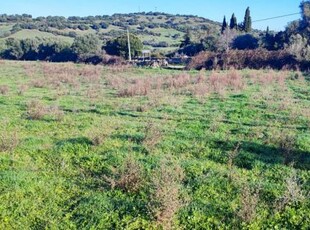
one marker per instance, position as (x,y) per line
(128,177)
(36,110)
(166,198)
(8,141)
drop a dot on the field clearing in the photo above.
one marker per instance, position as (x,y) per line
(5,29)
(117,147)
(31,34)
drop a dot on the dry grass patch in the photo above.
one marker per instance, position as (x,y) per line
(249,199)
(129,177)
(166,196)
(36,110)
(8,141)
(4,89)
(22,89)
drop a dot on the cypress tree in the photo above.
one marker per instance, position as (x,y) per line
(247,21)
(224,25)
(187,39)
(233,22)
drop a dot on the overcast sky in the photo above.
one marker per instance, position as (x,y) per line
(212,9)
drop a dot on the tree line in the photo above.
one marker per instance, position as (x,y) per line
(87,48)
(235,41)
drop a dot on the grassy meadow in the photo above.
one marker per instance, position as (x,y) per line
(93,147)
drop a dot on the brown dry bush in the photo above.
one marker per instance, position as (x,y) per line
(152,137)
(38,83)
(22,89)
(200,61)
(249,199)
(91,74)
(36,110)
(134,86)
(179,81)
(137,87)
(129,177)
(30,69)
(242,59)
(8,141)
(55,112)
(115,81)
(166,197)
(4,89)
(293,192)
(235,80)
(57,74)
(217,83)
(200,90)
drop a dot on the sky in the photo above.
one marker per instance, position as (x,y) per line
(211,9)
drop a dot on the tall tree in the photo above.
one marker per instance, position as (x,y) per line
(247,24)
(119,46)
(224,25)
(305,22)
(233,22)
(187,39)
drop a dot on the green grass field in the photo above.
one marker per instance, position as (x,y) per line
(92,147)
(23,34)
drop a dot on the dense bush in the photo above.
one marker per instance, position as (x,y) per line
(86,44)
(244,42)
(119,46)
(38,49)
(240,59)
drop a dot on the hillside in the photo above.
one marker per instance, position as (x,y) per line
(158,31)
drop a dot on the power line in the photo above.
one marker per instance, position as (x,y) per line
(282,16)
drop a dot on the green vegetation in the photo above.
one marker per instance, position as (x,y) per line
(151,28)
(224,25)
(233,22)
(119,46)
(247,24)
(93,147)
(163,35)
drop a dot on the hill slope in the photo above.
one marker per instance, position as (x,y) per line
(160,31)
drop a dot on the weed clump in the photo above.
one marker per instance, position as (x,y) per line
(152,137)
(165,197)
(249,199)
(36,110)
(4,89)
(128,177)
(8,141)
(293,193)
(22,89)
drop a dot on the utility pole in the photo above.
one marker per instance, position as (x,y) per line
(129,49)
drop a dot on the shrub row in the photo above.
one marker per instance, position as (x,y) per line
(240,59)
